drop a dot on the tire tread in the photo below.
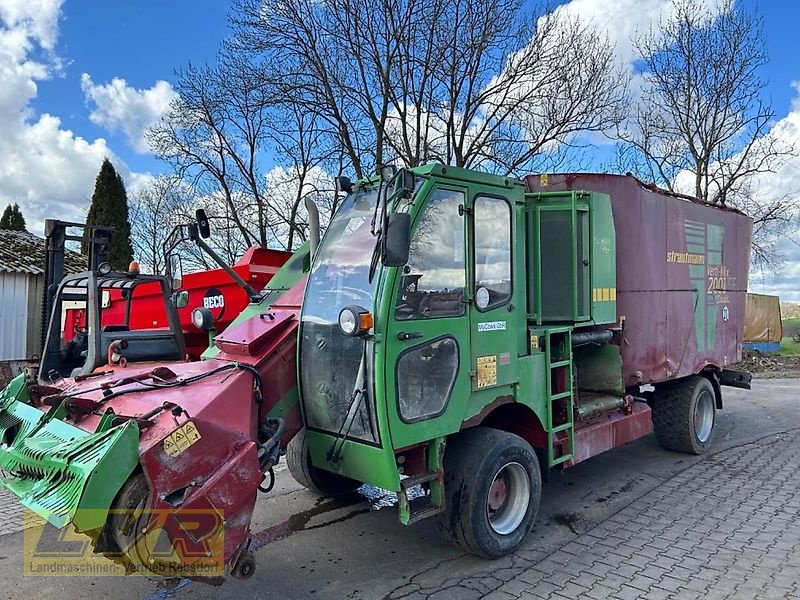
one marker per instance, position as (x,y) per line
(672,415)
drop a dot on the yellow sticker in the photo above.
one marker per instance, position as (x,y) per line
(487,371)
(180,439)
(543,180)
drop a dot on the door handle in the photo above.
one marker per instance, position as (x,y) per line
(408,335)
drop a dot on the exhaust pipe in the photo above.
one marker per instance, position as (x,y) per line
(313,225)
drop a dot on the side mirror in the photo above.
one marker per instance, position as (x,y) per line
(175,273)
(396,240)
(202,223)
(387,172)
(343,184)
(180,299)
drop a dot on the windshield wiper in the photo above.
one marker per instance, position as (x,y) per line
(359,392)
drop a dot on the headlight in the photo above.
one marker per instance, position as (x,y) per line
(104,269)
(354,320)
(202,318)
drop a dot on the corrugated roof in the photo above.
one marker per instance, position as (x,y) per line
(23,252)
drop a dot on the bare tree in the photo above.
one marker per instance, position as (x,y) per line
(213,136)
(701,125)
(155,209)
(701,109)
(312,87)
(466,82)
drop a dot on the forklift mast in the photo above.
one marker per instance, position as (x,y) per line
(97,237)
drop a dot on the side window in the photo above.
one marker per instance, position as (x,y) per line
(492,252)
(434,279)
(425,377)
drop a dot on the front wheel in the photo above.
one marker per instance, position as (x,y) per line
(492,491)
(319,481)
(684,415)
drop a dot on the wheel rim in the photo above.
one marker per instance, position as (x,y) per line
(704,417)
(508,498)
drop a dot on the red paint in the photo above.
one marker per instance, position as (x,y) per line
(256,266)
(655,296)
(250,337)
(611,431)
(220,471)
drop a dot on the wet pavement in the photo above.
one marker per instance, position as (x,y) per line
(635,522)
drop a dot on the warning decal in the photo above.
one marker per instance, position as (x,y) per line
(180,439)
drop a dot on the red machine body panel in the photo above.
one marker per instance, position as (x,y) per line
(682,270)
(213,289)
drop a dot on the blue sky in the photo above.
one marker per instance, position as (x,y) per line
(144,41)
(81,79)
(140,41)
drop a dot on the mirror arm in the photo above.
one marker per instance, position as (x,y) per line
(251,293)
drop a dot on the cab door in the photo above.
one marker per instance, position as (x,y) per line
(493,311)
(427,367)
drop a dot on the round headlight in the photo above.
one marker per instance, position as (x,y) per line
(354,320)
(104,268)
(348,321)
(202,318)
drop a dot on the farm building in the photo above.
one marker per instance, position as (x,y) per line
(22,268)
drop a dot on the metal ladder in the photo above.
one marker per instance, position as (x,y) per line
(558,352)
(433,476)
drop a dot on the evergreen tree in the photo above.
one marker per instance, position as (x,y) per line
(110,207)
(12,218)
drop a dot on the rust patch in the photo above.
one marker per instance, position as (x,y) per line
(478,419)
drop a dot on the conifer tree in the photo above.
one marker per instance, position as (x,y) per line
(109,207)
(12,218)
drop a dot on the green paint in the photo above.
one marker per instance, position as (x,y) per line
(705,239)
(503,332)
(286,277)
(78,473)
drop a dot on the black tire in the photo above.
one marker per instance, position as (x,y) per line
(126,522)
(473,461)
(684,415)
(319,481)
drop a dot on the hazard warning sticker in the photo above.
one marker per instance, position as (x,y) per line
(180,439)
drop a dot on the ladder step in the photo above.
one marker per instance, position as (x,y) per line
(560,428)
(562,459)
(418,479)
(560,395)
(560,363)
(424,513)
(559,330)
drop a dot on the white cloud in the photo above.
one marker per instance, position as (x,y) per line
(119,106)
(785,181)
(36,20)
(47,169)
(623,20)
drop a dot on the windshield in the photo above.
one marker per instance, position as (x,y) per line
(332,361)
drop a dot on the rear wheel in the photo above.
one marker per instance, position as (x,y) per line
(319,481)
(684,415)
(492,490)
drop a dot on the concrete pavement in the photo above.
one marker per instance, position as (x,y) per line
(635,522)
